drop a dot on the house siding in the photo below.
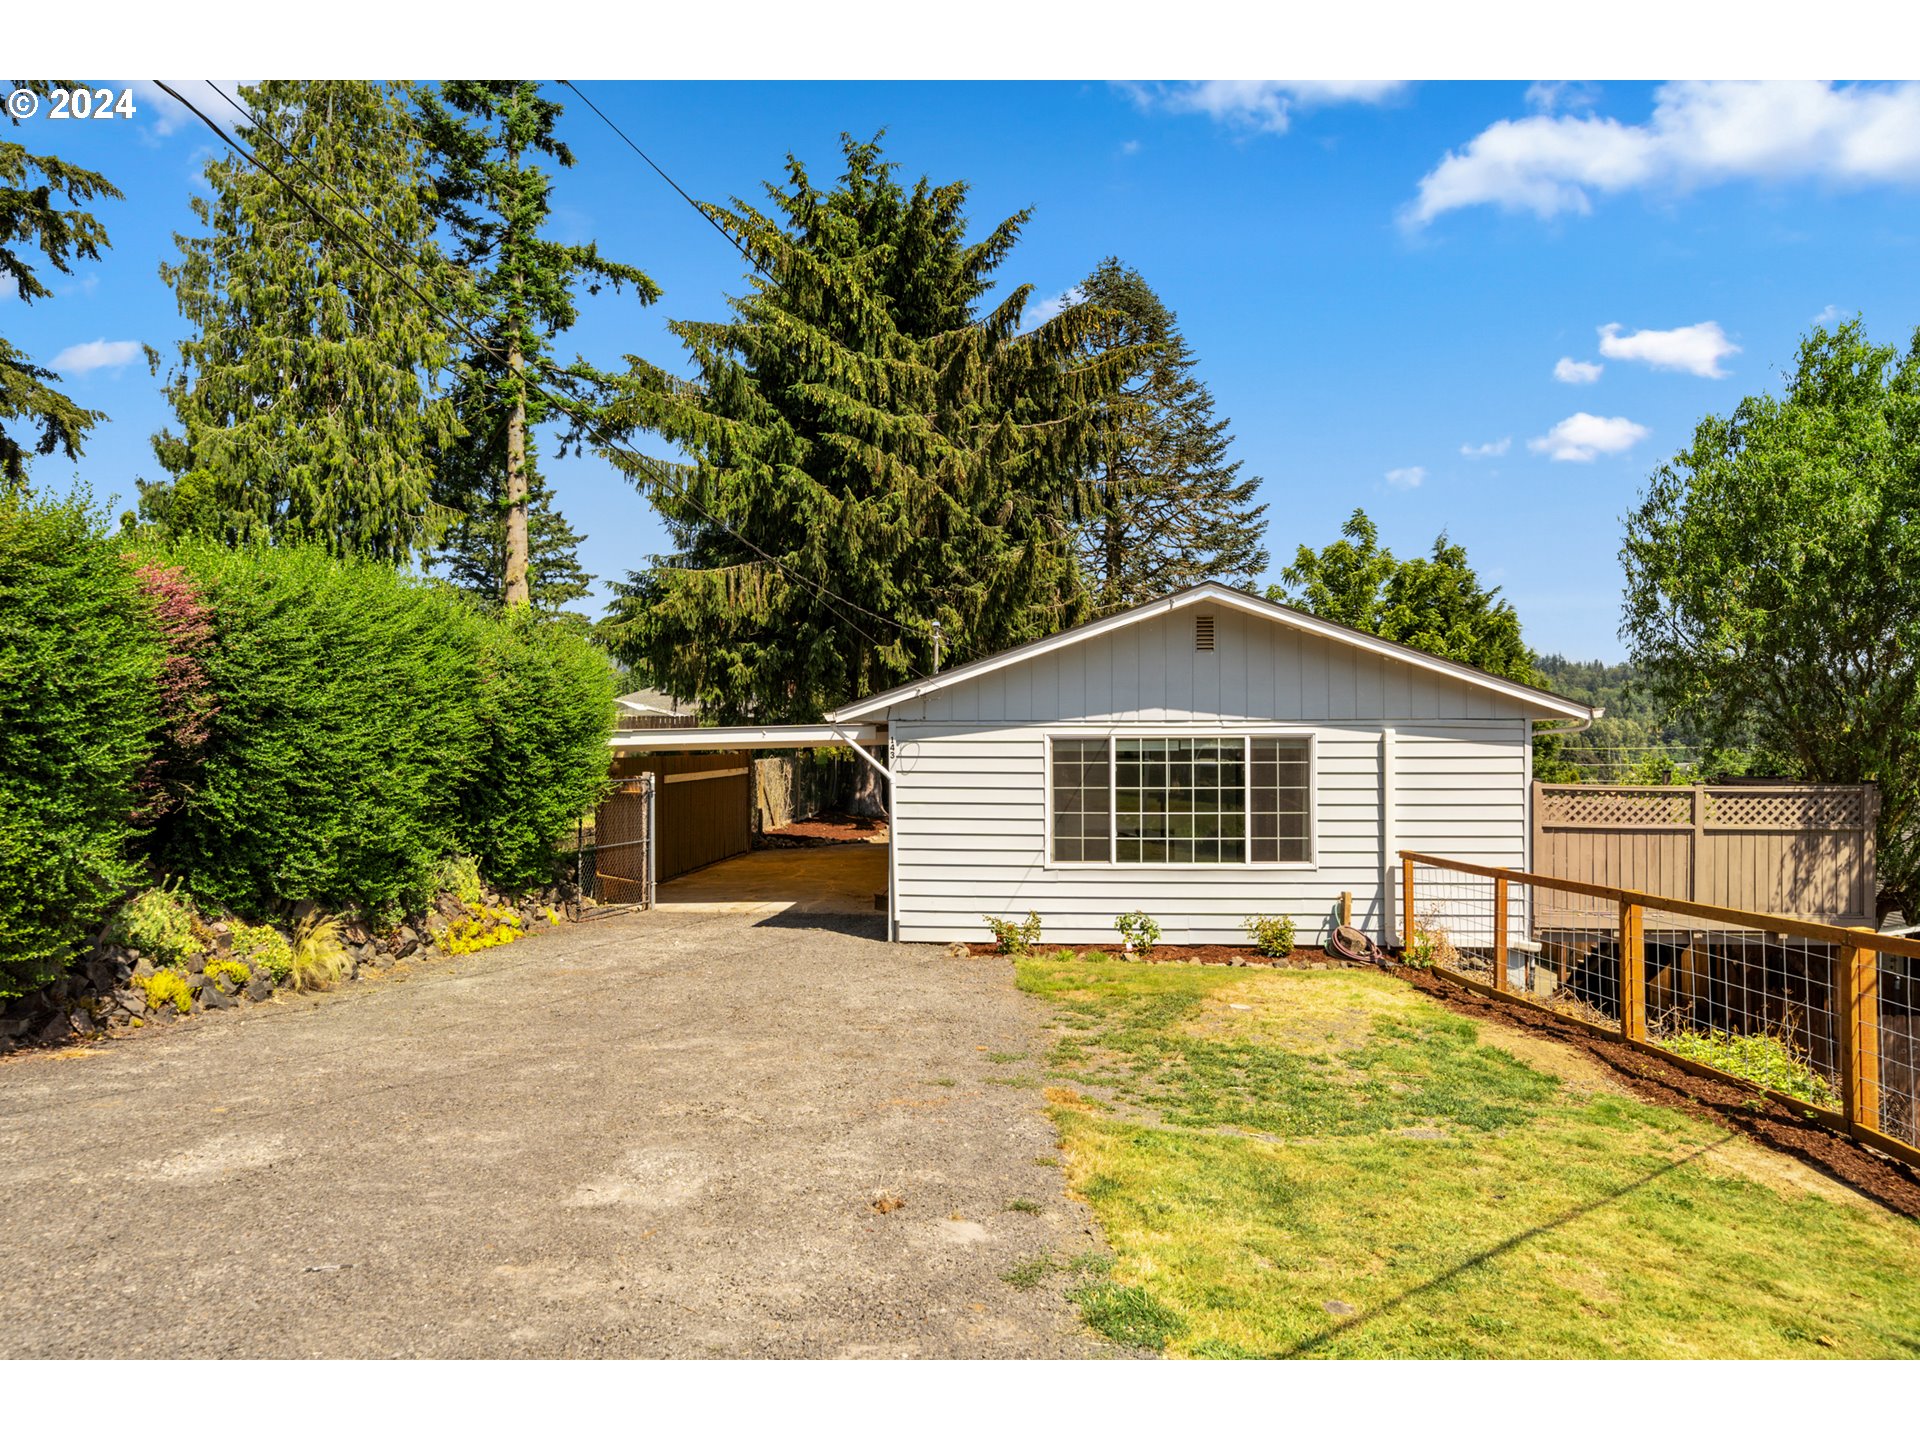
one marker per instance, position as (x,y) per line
(970,797)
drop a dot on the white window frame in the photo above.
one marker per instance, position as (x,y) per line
(1248,733)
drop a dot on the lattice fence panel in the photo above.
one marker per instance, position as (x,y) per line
(1627,807)
(1796,809)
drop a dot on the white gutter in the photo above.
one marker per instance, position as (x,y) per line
(1574,727)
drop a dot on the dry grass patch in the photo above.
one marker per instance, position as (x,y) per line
(1460,1197)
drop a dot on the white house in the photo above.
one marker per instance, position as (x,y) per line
(1203,758)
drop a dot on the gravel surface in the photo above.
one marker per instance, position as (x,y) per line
(654,1135)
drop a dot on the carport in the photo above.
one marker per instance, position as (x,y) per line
(826,879)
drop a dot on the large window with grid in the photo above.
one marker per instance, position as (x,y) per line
(1182,800)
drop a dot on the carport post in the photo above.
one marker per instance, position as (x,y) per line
(653,834)
(893,836)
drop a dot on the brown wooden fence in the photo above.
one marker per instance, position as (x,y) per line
(703,807)
(1802,850)
(1684,979)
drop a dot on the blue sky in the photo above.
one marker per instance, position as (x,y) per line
(1377,279)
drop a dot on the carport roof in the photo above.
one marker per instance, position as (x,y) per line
(746,737)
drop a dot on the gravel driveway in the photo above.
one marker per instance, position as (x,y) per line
(654,1135)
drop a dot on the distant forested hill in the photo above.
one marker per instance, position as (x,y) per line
(1635,741)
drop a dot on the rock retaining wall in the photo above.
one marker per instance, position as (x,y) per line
(102,990)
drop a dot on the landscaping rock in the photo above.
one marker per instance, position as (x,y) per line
(260,989)
(222,936)
(134,1002)
(216,998)
(196,963)
(56,1028)
(142,966)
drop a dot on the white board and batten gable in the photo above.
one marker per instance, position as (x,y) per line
(1384,748)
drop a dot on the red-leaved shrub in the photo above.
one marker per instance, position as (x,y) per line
(187,703)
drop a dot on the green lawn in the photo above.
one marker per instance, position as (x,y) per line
(1329,1164)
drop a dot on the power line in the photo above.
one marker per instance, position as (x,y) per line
(593,425)
(699,209)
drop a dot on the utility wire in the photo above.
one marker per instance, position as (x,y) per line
(595,428)
(699,209)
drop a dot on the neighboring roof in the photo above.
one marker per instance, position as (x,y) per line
(745,737)
(1214,593)
(655,702)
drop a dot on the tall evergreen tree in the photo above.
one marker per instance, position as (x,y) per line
(1178,511)
(32,217)
(874,451)
(474,553)
(306,390)
(518,286)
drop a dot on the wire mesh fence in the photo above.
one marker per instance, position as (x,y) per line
(618,865)
(1823,1016)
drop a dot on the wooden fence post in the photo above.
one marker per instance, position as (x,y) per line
(1633,972)
(1500,932)
(1856,991)
(1406,903)
(1346,907)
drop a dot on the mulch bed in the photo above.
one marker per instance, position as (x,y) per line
(832,829)
(1304,957)
(1725,1102)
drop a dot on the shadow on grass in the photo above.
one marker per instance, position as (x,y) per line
(1493,1252)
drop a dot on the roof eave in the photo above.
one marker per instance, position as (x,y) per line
(1555,705)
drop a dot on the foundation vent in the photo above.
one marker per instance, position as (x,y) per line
(1203,632)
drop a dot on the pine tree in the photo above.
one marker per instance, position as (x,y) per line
(874,452)
(1178,511)
(306,391)
(474,550)
(518,290)
(30,213)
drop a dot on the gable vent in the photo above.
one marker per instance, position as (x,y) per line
(1203,632)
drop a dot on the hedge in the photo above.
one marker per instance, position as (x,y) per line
(369,725)
(545,709)
(337,729)
(345,737)
(79,667)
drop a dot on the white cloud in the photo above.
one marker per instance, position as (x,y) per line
(1582,437)
(1548,96)
(96,355)
(1696,349)
(1829,316)
(1040,310)
(165,115)
(1700,133)
(1407,477)
(1129,147)
(1488,450)
(1569,371)
(1260,104)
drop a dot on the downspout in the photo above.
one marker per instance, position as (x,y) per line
(861,751)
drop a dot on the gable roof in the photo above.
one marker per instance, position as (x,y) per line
(1545,702)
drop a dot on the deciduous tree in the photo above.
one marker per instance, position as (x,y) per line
(1773,579)
(1435,604)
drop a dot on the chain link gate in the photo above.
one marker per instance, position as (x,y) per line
(618,868)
